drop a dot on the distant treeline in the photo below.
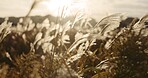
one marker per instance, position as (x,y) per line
(35,19)
(40,19)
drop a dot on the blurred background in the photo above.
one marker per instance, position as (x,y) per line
(93,8)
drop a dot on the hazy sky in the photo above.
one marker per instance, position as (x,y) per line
(94,8)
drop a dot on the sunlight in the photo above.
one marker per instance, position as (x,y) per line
(70,7)
(61,2)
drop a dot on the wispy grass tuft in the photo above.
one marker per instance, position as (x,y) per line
(75,49)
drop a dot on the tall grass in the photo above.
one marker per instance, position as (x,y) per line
(72,50)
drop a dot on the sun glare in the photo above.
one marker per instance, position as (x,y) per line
(69,7)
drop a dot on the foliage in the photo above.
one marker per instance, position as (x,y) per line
(72,50)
